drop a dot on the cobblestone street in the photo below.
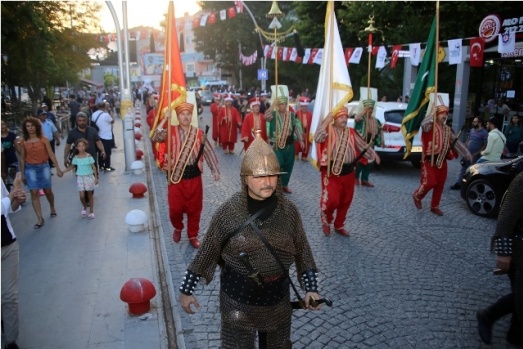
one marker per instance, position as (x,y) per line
(403,279)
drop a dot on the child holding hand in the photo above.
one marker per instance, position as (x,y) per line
(86,177)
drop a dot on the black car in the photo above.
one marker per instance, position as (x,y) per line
(484,184)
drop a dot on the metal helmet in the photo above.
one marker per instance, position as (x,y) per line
(260,160)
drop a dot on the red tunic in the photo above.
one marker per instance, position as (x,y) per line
(215,109)
(433,177)
(306,120)
(229,119)
(250,124)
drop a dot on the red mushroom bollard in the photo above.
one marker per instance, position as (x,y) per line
(137,123)
(137,189)
(137,136)
(137,293)
(139,154)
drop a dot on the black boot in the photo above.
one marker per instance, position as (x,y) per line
(514,334)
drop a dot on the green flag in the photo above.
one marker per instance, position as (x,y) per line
(425,85)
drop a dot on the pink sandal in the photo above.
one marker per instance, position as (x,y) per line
(84,213)
(91,216)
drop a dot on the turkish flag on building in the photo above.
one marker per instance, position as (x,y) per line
(477,46)
(232,12)
(395,55)
(212,18)
(348,53)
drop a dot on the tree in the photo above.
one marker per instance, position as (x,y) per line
(46,43)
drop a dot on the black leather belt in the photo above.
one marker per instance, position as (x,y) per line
(345,169)
(191,171)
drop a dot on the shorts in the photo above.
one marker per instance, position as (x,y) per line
(38,176)
(85,182)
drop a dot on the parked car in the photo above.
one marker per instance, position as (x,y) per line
(207,97)
(484,184)
(390,114)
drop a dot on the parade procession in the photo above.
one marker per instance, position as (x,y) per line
(268,175)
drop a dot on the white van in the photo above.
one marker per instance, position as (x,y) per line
(390,114)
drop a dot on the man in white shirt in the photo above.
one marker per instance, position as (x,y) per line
(495,142)
(10,255)
(105,122)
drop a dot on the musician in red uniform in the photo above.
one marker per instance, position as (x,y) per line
(158,148)
(215,109)
(185,190)
(305,118)
(337,148)
(253,121)
(444,144)
(229,120)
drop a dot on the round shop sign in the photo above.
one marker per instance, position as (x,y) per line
(489,27)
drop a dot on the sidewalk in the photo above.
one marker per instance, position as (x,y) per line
(72,269)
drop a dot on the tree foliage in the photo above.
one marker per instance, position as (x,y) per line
(402,22)
(46,43)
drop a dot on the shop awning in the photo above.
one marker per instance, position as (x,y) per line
(92,83)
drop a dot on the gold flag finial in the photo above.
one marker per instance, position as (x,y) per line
(275,10)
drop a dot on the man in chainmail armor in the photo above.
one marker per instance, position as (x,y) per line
(507,243)
(254,305)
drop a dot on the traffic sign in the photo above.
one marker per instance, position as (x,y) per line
(263,74)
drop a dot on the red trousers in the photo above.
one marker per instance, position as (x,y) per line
(228,146)
(186,197)
(432,178)
(336,195)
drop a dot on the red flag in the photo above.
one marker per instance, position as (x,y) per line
(314,52)
(269,52)
(212,18)
(348,54)
(289,53)
(477,46)
(232,12)
(279,54)
(173,78)
(395,55)
(375,50)
(195,22)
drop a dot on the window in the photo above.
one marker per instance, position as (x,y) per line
(190,68)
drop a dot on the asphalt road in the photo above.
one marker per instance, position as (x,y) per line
(403,279)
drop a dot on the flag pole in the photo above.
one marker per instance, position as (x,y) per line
(434,106)
(330,7)
(169,81)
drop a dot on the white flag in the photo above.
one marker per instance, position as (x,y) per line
(506,42)
(203,21)
(284,56)
(265,50)
(356,55)
(415,54)
(307,55)
(318,58)
(455,51)
(294,54)
(334,86)
(223,15)
(380,59)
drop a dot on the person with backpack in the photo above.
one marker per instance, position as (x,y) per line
(104,121)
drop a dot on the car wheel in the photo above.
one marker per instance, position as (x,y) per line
(482,199)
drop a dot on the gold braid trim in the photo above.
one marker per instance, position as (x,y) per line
(444,137)
(341,151)
(184,156)
(283,134)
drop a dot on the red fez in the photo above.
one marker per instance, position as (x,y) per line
(254,101)
(304,100)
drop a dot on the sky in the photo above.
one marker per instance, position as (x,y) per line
(144,12)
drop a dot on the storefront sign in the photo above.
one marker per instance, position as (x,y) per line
(493,24)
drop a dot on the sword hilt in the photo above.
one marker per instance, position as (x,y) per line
(313,302)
